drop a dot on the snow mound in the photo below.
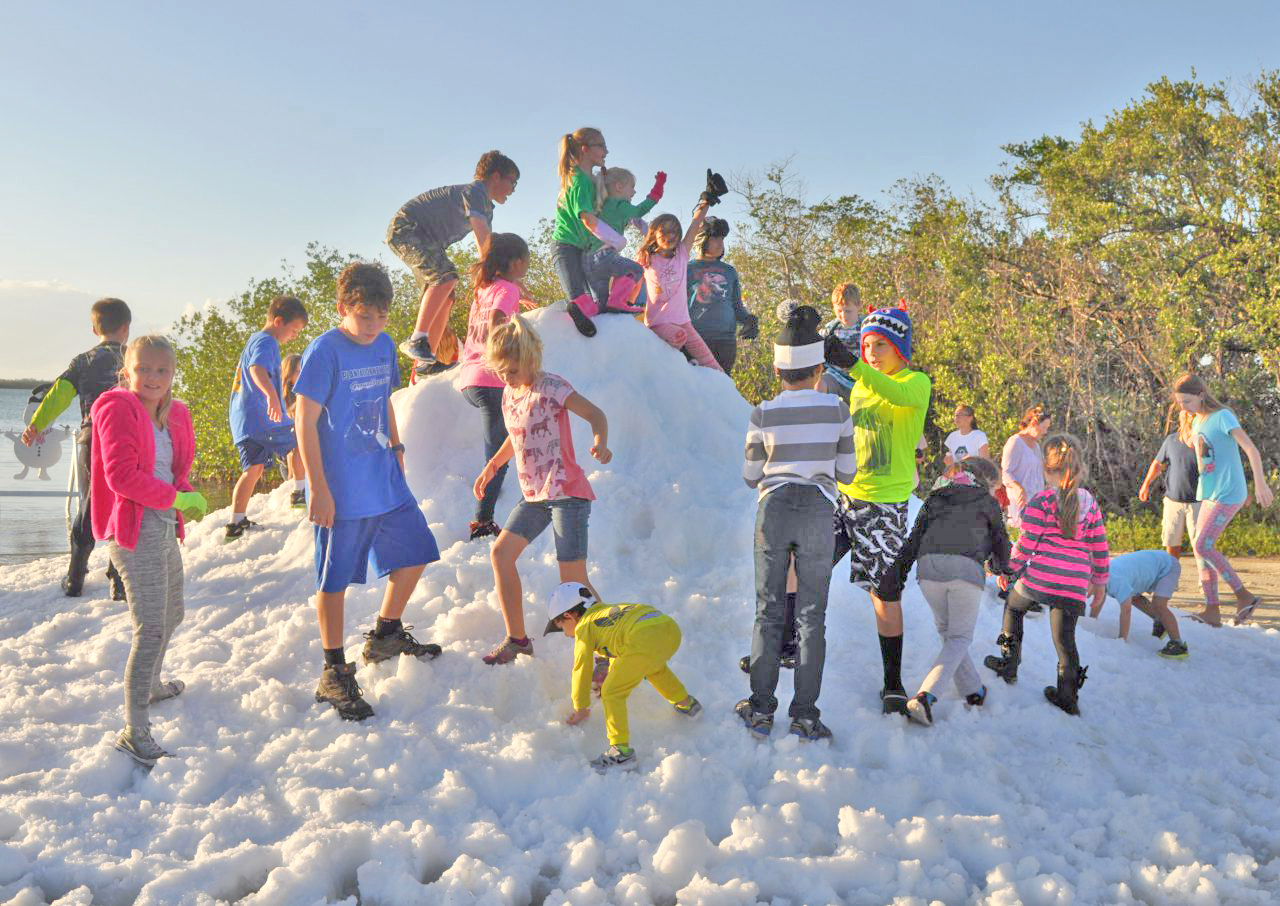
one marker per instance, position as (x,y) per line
(467,786)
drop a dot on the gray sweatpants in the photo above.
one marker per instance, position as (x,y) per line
(955,611)
(152,574)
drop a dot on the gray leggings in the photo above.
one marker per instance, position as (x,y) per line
(152,574)
(955,611)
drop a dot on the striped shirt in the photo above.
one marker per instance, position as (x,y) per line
(800,437)
(1060,570)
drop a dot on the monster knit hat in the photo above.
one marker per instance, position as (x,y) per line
(799,345)
(894,324)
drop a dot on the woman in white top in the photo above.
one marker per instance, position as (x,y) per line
(966,440)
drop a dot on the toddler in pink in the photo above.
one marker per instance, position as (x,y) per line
(664,254)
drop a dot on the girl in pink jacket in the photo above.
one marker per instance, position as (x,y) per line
(143,445)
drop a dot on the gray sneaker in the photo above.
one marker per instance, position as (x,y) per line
(616,758)
(338,687)
(810,728)
(167,690)
(136,742)
(758,722)
(690,707)
(397,643)
(418,349)
(506,651)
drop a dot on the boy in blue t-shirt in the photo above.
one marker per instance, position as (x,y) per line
(359,500)
(1131,578)
(259,426)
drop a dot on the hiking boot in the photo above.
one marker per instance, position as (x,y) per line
(920,708)
(976,699)
(484,529)
(395,644)
(136,742)
(1157,629)
(418,349)
(73,586)
(167,690)
(73,582)
(893,701)
(758,722)
(339,688)
(616,758)
(810,728)
(690,707)
(506,651)
(1006,666)
(1066,694)
(298,500)
(118,592)
(1174,651)
(236,530)
(599,673)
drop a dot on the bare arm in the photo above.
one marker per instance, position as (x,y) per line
(699,217)
(500,458)
(581,406)
(321,508)
(1153,472)
(1261,490)
(480,227)
(262,380)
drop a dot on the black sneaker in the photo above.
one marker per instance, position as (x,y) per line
(397,643)
(1157,629)
(298,500)
(975,699)
(237,530)
(893,701)
(484,530)
(418,349)
(339,688)
(786,661)
(1174,651)
(759,723)
(426,369)
(810,728)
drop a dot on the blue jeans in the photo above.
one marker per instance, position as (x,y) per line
(489,401)
(602,265)
(567,261)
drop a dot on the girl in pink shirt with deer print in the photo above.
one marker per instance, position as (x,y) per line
(535,407)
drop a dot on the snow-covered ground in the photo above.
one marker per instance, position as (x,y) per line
(467,786)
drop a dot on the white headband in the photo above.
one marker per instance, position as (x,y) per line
(795,357)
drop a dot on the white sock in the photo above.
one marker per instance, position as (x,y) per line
(236,517)
(416,334)
(299,484)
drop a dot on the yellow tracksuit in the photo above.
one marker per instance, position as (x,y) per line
(640,640)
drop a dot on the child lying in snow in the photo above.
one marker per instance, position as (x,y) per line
(639,639)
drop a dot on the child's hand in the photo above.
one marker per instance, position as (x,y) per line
(29,435)
(1263,494)
(577,717)
(481,482)
(273,410)
(527,304)
(322,510)
(1003,582)
(600,450)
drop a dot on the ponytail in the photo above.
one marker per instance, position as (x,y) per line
(571,145)
(1064,463)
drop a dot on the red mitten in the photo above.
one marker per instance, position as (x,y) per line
(659,181)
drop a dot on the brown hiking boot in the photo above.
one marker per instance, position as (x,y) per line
(397,643)
(339,688)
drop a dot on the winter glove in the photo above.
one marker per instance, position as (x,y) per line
(191,504)
(750,328)
(608,235)
(715,188)
(837,354)
(659,182)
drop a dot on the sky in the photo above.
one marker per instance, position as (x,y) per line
(168,154)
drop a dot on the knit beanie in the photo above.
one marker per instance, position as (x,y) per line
(799,345)
(894,324)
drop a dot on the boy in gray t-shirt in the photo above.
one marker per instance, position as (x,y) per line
(1180,510)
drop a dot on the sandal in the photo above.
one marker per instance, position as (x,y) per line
(1199,618)
(1244,613)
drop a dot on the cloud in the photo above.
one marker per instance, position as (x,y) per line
(44,286)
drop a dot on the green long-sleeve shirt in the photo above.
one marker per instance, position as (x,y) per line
(888,413)
(618,212)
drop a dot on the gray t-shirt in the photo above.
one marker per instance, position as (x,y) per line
(1022,463)
(443,215)
(1182,474)
(163,469)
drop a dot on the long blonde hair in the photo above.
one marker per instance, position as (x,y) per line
(1064,463)
(161,344)
(514,346)
(571,145)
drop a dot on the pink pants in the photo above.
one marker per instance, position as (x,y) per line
(1214,517)
(685,338)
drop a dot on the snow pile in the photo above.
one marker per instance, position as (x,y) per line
(467,787)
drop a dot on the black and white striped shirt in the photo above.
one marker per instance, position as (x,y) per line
(800,437)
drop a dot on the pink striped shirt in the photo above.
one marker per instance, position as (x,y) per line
(1060,570)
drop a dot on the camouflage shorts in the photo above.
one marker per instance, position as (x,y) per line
(427,259)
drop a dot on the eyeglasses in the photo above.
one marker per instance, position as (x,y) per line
(601,145)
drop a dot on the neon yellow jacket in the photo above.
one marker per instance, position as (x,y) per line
(609,629)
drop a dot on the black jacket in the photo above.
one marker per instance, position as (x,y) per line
(959,520)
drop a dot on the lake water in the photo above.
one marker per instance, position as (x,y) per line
(31,527)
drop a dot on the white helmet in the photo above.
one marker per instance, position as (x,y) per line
(567,596)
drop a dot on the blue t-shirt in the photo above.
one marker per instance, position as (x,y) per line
(248,408)
(1221,469)
(1181,475)
(354,382)
(1138,573)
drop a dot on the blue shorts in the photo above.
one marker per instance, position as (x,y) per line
(262,449)
(389,541)
(567,518)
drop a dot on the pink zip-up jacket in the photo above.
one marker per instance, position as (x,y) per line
(123,459)
(1060,570)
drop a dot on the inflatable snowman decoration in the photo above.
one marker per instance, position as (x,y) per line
(45,449)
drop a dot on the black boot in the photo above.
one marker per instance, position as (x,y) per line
(1006,666)
(1066,694)
(73,582)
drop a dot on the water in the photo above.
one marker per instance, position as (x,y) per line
(32,527)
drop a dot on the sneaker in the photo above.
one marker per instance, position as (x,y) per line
(758,722)
(810,728)
(1157,629)
(339,688)
(690,707)
(418,349)
(920,708)
(236,530)
(893,701)
(298,500)
(506,651)
(745,664)
(975,699)
(786,661)
(1174,651)
(599,673)
(616,758)
(167,690)
(397,643)
(136,742)
(426,369)
(484,529)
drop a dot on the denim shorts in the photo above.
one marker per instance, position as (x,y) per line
(389,541)
(265,448)
(567,518)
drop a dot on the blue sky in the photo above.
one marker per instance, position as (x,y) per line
(167,153)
